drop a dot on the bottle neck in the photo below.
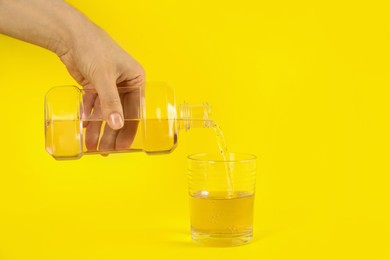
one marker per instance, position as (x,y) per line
(194,116)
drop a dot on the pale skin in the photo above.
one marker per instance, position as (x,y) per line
(92,58)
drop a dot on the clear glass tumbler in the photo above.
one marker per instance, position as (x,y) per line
(222,194)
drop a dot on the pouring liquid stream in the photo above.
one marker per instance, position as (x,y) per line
(223,149)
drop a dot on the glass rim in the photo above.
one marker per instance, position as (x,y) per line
(197,157)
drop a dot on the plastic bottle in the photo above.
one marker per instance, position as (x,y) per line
(151,121)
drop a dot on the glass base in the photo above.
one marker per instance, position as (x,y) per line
(221,240)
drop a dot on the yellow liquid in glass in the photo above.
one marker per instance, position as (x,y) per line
(222,216)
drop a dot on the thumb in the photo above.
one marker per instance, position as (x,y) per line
(110,101)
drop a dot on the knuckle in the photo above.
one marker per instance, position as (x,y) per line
(110,103)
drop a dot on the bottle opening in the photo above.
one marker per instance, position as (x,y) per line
(195,115)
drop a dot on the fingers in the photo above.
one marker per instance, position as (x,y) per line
(126,135)
(108,106)
(131,106)
(92,133)
(110,139)
(107,142)
(109,100)
(88,104)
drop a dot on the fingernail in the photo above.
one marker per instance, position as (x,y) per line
(115,121)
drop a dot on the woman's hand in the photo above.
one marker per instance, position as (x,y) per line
(93,59)
(97,62)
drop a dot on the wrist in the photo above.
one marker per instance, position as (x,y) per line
(73,27)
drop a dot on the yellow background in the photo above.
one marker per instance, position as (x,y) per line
(304,85)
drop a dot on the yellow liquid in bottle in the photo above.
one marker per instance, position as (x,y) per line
(66,139)
(63,138)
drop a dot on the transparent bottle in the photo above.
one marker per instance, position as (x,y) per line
(74,125)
